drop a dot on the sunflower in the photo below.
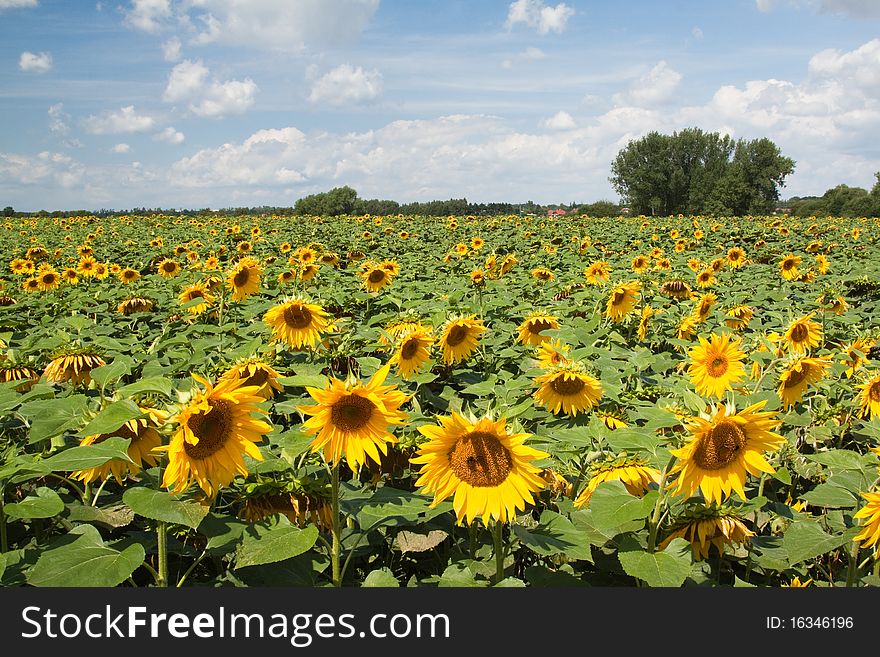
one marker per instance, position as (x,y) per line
(708,527)
(738,317)
(597,272)
(286,277)
(73,366)
(25,375)
(822,264)
(803,334)
(255,372)
(331,259)
(568,389)
(704,306)
(796,583)
(131,305)
(706,278)
(507,264)
(168,268)
(101,271)
(788,267)
(531,327)
(86,266)
(478,277)
(459,338)
(351,419)
(212,263)
(69,275)
(797,375)
(869,397)
(391,266)
(640,264)
(736,257)
(724,448)
(612,419)
(488,470)
(48,279)
(870,534)
(543,274)
(647,313)
(300,507)
(676,289)
(856,354)
(216,428)
(376,277)
(399,327)
(144,439)
(197,290)
(634,473)
(243,279)
(622,300)
(716,364)
(297,323)
(552,353)
(129,275)
(412,352)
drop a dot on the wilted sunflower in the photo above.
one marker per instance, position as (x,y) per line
(803,334)
(633,472)
(622,300)
(543,274)
(144,439)
(300,507)
(531,327)
(836,305)
(376,277)
(459,338)
(568,389)
(788,267)
(412,352)
(552,353)
(131,305)
(255,372)
(797,375)
(73,366)
(716,364)
(297,323)
(331,259)
(647,313)
(25,375)
(676,289)
(869,397)
(612,419)
(488,470)
(507,264)
(597,272)
(724,448)
(707,527)
(351,419)
(190,293)
(738,317)
(704,306)
(243,279)
(216,429)
(870,534)
(168,268)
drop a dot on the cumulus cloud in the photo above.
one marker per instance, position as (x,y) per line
(35,62)
(537,15)
(169,135)
(697,33)
(559,121)
(148,15)
(122,121)
(121,148)
(45,167)
(280,24)
(346,85)
(191,82)
(171,49)
(656,86)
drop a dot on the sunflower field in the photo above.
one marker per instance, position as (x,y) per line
(416,401)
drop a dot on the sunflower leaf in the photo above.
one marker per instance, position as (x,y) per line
(152,384)
(113,371)
(669,568)
(111,418)
(381,578)
(273,545)
(555,534)
(613,506)
(89,456)
(806,539)
(165,507)
(830,496)
(52,417)
(45,504)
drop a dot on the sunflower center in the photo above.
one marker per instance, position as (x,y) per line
(297,317)
(799,333)
(212,429)
(874,392)
(479,459)
(195,294)
(618,298)
(565,387)
(796,376)
(717,367)
(721,446)
(456,336)
(168,266)
(538,325)
(258,378)
(351,412)
(376,276)
(788,264)
(409,348)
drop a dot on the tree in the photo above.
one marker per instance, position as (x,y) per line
(697,172)
(8,211)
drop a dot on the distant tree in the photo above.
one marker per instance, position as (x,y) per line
(8,211)
(600,209)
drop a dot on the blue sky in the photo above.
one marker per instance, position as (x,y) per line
(218,103)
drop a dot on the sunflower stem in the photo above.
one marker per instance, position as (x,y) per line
(4,541)
(191,568)
(336,548)
(654,522)
(497,531)
(98,492)
(162,545)
(853,567)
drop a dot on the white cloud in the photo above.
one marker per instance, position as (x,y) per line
(530,54)
(171,49)
(170,135)
(537,15)
(35,63)
(346,85)
(852,8)
(559,121)
(123,121)
(860,67)
(280,24)
(656,86)
(58,119)
(45,167)
(190,82)
(121,148)
(14,4)
(148,15)
(697,33)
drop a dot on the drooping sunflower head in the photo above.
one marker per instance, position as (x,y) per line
(705,527)
(191,293)
(302,507)
(676,289)
(135,304)
(738,317)
(803,334)
(543,274)
(297,323)
(716,364)
(797,375)
(704,306)
(621,301)
(73,365)
(724,448)
(597,272)
(9,371)
(869,397)
(145,438)
(633,472)
(855,354)
(488,471)
(552,353)
(167,268)
(243,279)
(530,329)
(567,389)
(613,418)
(459,338)
(308,272)
(413,351)
(351,419)
(255,372)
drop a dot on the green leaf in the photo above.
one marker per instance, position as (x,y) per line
(45,504)
(111,418)
(112,372)
(555,534)
(391,507)
(806,539)
(276,544)
(82,559)
(510,583)
(165,507)
(612,505)
(304,380)
(670,567)
(2,564)
(627,440)
(456,575)
(830,496)
(113,516)
(52,417)
(154,384)
(838,459)
(381,577)
(89,456)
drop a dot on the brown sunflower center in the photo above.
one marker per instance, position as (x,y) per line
(195,294)
(376,276)
(351,412)
(168,266)
(258,378)
(800,332)
(409,348)
(479,459)
(717,366)
(241,278)
(796,376)
(720,446)
(618,297)
(537,325)
(212,429)
(874,392)
(788,264)
(457,335)
(297,317)
(565,386)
